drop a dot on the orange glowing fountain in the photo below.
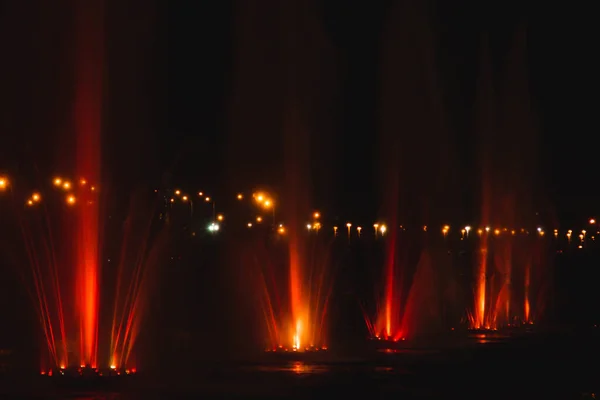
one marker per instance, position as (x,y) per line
(89,47)
(42,218)
(295,314)
(144,238)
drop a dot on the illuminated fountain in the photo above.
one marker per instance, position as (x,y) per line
(410,308)
(296,284)
(508,266)
(47,221)
(145,236)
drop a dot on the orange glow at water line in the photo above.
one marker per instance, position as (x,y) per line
(526,305)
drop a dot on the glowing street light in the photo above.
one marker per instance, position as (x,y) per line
(249,224)
(467,229)
(445,230)
(3,183)
(358,229)
(348,225)
(316,215)
(383,229)
(240,196)
(57,181)
(259,219)
(36,197)
(213,227)
(335,229)
(376,228)
(220,217)
(66,185)
(71,200)
(592,221)
(184,198)
(177,192)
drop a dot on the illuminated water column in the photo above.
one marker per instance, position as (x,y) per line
(89,58)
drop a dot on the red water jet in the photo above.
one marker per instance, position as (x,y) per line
(89,36)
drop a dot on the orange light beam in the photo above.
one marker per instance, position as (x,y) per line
(56,282)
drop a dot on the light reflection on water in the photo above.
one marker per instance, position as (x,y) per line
(296,367)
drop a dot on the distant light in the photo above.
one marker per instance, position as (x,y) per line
(308,226)
(67,185)
(220,217)
(240,196)
(57,181)
(207,199)
(184,198)
(214,227)
(82,182)
(592,221)
(259,219)
(249,224)
(71,200)
(36,197)
(317,215)
(177,192)
(113,367)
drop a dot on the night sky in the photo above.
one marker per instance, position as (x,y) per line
(196,92)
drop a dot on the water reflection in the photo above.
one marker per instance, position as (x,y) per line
(296,367)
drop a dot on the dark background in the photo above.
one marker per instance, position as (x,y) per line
(214,96)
